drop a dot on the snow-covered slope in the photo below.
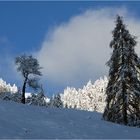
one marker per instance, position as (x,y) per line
(23,121)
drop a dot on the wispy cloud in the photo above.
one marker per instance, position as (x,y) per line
(76,51)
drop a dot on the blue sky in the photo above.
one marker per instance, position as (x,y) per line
(25,25)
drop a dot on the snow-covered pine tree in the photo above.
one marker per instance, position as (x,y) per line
(56,101)
(123,90)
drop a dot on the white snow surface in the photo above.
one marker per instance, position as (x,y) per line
(27,94)
(23,121)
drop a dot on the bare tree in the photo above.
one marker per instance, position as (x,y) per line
(30,69)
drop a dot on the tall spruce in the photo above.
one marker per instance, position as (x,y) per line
(123,90)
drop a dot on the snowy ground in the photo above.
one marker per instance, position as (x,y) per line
(23,121)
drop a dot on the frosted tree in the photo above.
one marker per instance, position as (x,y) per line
(123,90)
(91,97)
(30,69)
(4,87)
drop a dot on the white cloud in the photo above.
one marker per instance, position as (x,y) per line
(76,51)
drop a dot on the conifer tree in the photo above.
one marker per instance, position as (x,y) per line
(123,90)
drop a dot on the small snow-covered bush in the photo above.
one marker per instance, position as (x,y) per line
(56,101)
(8,96)
(5,96)
(16,97)
(37,99)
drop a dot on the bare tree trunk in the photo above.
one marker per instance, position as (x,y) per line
(23,91)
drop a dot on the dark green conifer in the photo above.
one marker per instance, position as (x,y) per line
(123,90)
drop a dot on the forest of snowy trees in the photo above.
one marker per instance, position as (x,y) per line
(91,97)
